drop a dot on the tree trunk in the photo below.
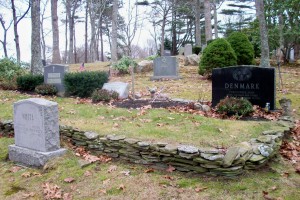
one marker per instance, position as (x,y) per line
(216,20)
(75,50)
(174,35)
(66,42)
(71,33)
(93,32)
(197,23)
(281,38)
(4,41)
(36,62)
(207,15)
(162,45)
(265,59)
(101,39)
(86,33)
(55,33)
(16,31)
(114,33)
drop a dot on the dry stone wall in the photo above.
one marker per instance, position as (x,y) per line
(233,161)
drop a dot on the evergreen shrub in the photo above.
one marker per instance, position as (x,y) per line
(10,69)
(123,64)
(46,89)
(101,95)
(242,47)
(217,54)
(82,84)
(28,82)
(235,106)
(196,50)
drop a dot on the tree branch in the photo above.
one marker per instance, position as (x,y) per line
(29,5)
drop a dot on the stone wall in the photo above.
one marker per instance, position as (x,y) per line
(226,162)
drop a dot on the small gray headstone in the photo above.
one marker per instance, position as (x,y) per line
(188,50)
(181,51)
(292,55)
(165,68)
(167,53)
(36,132)
(121,88)
(54,75)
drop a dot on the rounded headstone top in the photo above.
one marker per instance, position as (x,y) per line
(38,101)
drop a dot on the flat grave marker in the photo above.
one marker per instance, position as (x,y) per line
(165,68)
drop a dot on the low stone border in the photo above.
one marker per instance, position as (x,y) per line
(226,162)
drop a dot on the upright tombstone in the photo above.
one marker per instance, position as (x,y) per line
(36,132)
(120,87)
(257,84)
(188,50)
(54,75)
(292,55)
(165,68)
(167,52)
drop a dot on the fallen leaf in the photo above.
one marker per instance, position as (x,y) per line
(121,187)
(105,159)
(285,174)
(116,125)
(36,174)
(102,191)
(91,158)
(51,191)
(87,173)
(112,168)
(273,188)
(150,170)
(180,190)
(101,117)
(170,169)
(69,180)
(126,173)
(27,195)
(67,196)
(169,177)
(26,174)
(15,169)
(198,189)
(106,181)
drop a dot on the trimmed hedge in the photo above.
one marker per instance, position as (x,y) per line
(46,89)
(217,54)
(242,47)
(82,84)
(28,82)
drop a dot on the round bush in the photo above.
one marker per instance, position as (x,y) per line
(235,106)
(242,47)
(217,54)
(196,50)
(28,82)
(101,95)
(46,89)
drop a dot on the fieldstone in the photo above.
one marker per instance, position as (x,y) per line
(192,60)
(144,66)
(179,160)
(271,132)
(170,149)
(204,161)
(265,150)
(205,108)
(83,163)
(212,157)
(209,166)
(188,149)
(231,154)
(131,141)
(188,155)
(265,139)
(143,144)
(256,158)
(115,137)
(209,150)
(91,135)
(161,144)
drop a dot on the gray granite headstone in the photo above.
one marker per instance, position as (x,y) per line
(165,67)
(121,88)
(292,55)
(188,50)
(167,52)
(36,132)
(54,75)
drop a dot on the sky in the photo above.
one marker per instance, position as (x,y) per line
(24,30)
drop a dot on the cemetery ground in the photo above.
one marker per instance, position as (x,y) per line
(106,179)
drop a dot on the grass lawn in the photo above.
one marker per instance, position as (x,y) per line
(111,180)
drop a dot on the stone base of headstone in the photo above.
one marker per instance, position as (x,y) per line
(165,77)
(32,158)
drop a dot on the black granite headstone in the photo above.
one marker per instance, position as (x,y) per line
(257,84)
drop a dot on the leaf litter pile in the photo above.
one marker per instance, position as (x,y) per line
(290,149)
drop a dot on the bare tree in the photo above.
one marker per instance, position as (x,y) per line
(114,35)
(265,57)
(5,29)
(197,22)
(43,34)
(55,33)
(207,15)
(36,62)
(16,21)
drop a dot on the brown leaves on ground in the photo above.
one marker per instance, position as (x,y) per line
(170,169)
(291,149)
(200,189)
(268,197)
(81,152)
(51,191)
(69,180)
(15,169)
(149,170)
